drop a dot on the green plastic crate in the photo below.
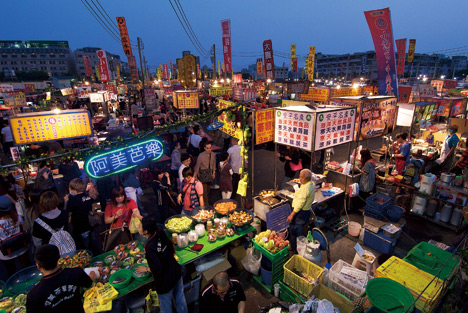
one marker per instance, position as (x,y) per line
(289,295)
(430,259)
(272,257)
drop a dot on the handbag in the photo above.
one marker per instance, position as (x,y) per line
(95,218)
(14,243)
(204,175)
(116,236)
(296,167)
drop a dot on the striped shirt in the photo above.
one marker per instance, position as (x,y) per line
(464,163)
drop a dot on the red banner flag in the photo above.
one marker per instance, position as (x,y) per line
(269,63)
(133,68)
(226,29)
(401,49)
(259,66)
(87,66)
(103,66)
(165,71)
(127,47)
(294,65)
(412,46)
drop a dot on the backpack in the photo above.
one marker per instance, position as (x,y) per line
(60,238)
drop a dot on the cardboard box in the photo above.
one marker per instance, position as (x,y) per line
(208,275)
(239,254)
(323,292)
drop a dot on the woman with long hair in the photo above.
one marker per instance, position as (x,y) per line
(50,214)
(161,187)
(367,169)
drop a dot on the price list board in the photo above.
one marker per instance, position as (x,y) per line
(37,128)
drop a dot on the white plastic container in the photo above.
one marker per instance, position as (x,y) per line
(354,229)
(200,229)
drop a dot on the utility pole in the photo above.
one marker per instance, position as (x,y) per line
(214,61)
(140,43)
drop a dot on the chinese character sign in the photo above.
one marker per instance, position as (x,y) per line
(37,128)
(264,126)
(293,55)
(311,63)
(378,117)
(226,29)
(401,49)
(380,25)
(269,63)
(259,66)
(87,66)
(103,66)
(190,70)
(166,71)
(124,159)
(186,100)
(412,46)
(294,129)
(228,128)
(334,128)
(127,47)
(133,68)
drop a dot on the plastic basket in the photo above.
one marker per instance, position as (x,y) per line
(379,242)
(298,264)
(379,201)
(274,257)
(371,212)
(289,295)
(340,283)
(415,280)
(394,213)
(277,219)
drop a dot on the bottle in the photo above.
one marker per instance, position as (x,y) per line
(209,225)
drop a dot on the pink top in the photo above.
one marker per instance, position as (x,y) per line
(198,189)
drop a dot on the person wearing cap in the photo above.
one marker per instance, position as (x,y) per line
(449,145)
(59,289)
(11,225)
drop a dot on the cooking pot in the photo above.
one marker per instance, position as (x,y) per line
(447,177)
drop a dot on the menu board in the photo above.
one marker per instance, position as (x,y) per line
(294,129)
(316,94)
(37,128)
(264,126)
(186,100)
(378,117)
(334,128)
(227,125)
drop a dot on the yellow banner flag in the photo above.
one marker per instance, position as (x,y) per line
(293,54)
(311,65)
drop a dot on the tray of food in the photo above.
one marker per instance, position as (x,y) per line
(80,258)
(269,197)
(223,207)
(203,214)
(240,218)
(179,224)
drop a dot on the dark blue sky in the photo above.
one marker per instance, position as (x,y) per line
(334,27)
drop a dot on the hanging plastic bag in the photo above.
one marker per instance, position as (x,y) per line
(252,260)
(301,245)
(354,190)
(242,189)
(106,293)
(134,223)
(152,301)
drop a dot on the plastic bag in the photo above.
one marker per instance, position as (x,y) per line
(99,298)
(242,188)
(252,260)
(152,300)
(354,190)
(106,293)
(301,245)
(134,223)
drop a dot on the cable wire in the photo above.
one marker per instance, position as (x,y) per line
(106,28)
(181,10)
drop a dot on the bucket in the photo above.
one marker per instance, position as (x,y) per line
(446,213)
(432,207)
(456,217)
(354,229)
(266,276)
(257,224)
(419,205)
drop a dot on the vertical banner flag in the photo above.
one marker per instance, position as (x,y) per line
(190,69)
(294,65)
(166,71)
(127,47)
(269,63)
(412,46)
(181,71)
(96,68)
(103,66)
(380,25)
(311,65)
(219,68)
(87,66)
(198,71)
(293,55)
(117,72)
(159,73)
(259,66)
(133,68)
(226,28)
(401,49)
(171,69)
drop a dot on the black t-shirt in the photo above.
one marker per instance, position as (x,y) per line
(56,223)
(59,292)
(212,303)
(79,206)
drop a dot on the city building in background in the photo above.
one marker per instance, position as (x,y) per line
(112,59)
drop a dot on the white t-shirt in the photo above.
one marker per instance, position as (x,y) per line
(235,158)
(195,140)
(6,132)
(181,168)
(8,229)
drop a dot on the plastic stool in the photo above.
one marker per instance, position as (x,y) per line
(145,176)
(360,263)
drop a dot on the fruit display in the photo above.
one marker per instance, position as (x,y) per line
(224,207)
(240,218)
(143,272)
(81,259)
(203,215)
(271,241)
(179,224)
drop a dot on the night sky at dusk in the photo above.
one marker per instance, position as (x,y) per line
(334,27)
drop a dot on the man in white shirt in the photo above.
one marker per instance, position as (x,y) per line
(7,138)
(235,159)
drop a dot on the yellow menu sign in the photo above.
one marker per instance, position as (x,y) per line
(28,128)
(265,125)
(227,125)
(186,99)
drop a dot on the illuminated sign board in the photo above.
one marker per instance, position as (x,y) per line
(120,160)
(68,124)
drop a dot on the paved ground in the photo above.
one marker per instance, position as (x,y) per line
(341,245)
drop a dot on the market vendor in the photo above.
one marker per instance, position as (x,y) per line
(402,156)
(59,289)
(447,153)
(223,295)
(302,203)
(462,162)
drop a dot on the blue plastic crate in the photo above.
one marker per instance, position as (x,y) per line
(394,213)
(379,242)
(371,212)
(277,219)
(381,205)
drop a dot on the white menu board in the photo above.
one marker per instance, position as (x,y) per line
(294,129)
(334,128)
